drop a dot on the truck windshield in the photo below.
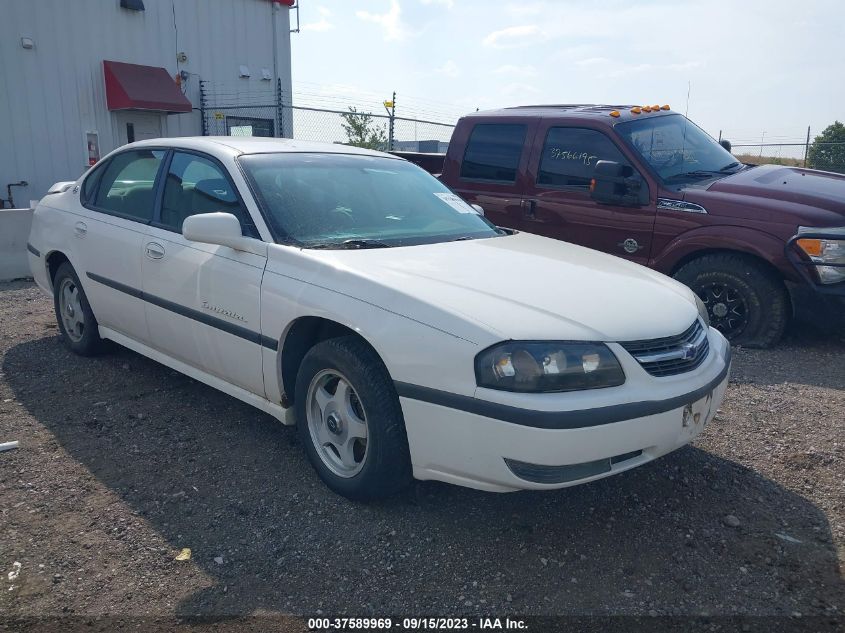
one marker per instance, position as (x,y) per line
(677,149)
(356,201)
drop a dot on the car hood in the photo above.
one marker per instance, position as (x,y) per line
(518,286)
(808,196)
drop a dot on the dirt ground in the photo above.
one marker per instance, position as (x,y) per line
(123,462)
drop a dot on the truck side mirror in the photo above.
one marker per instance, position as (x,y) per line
(725,143)
(615,183)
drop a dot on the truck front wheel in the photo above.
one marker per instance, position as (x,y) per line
(746,302)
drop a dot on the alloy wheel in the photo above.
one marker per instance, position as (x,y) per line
(337,423)
(70,309)
(726,307)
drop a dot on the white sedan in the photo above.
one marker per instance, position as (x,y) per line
(350,293)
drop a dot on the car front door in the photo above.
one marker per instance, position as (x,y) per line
(202,301)
(109,235)
(492,172)
(559,201)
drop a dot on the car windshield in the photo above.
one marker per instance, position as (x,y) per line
(677,149)
(357,201)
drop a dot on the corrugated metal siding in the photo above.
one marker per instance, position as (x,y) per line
(51,95)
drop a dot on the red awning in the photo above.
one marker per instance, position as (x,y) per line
(136,87)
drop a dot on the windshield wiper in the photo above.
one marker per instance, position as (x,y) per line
(736,163)
(699,173)
(348,244)
(363,243)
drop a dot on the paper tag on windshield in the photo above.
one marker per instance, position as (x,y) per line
(455,202)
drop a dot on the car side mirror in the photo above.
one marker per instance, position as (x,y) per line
(223,229)
(615,183)
(478,209)
(725,143)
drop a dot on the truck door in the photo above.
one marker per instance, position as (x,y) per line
(557,197)
(493,170)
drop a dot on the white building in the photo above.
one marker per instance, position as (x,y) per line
(79,78)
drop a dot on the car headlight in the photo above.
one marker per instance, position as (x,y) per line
(828,255)
(702,310)
(547,367)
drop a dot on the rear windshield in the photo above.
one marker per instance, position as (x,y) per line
(329,200)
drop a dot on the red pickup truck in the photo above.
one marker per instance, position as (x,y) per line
(647,184)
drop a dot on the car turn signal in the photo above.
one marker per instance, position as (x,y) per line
(813,248)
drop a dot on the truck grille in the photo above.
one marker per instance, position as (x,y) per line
(673,354)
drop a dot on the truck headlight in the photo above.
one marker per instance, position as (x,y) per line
(828,255)
(547,367)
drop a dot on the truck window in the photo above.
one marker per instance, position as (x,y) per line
(493,152)
(570,155)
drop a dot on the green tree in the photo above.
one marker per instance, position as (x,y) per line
(829,157)
(362,130)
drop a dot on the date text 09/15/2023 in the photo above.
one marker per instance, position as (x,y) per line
(416,624)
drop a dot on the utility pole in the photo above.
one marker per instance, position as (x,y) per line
(762,138)
(390,106)
(807,147)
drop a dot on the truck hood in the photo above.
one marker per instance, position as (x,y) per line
(804,196)
(514,287)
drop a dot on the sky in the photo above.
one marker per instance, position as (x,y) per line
(751,68)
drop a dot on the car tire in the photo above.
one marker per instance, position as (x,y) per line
(341,383)
(746,302)
(76,320)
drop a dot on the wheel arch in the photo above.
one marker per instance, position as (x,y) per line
(703,252)
(300,336)
(52,261)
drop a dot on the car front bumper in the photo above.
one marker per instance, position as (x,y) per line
(492,448)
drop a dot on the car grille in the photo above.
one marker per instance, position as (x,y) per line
(673,354)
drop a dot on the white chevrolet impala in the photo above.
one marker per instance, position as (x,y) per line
(350,293)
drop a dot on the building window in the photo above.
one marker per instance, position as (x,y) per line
(493,152)
(132,5)
(570,155)
(248,126)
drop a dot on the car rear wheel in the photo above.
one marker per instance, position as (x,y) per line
(350,421)
(76,320)
(745,301)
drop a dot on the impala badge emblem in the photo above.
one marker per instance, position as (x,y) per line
(630,245)
(688,351)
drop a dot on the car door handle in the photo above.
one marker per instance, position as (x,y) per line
(529,208)
(80,229)
(154,250)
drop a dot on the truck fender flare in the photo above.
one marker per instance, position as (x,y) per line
(687,246)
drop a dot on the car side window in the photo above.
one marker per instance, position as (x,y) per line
(198,185)
(89,185)
(570,155)
(493,152)
(127,186)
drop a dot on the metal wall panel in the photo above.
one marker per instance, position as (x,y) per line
(52,94)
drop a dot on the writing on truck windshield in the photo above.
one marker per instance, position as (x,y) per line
(343,200)
(677,148)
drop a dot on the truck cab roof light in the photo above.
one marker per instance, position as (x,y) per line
(636,110)
(614,113)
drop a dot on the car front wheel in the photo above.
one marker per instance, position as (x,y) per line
(350,421)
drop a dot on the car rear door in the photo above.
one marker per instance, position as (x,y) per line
(202,301)
(117,202)
(493,170)
(558,193)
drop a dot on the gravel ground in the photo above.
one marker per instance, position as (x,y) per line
(123,462)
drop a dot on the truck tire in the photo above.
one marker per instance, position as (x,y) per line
(350,421)
(74,315)
(746,302)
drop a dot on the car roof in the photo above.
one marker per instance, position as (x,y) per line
(587,110)
(237,145)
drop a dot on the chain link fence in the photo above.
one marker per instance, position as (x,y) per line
(231,110)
